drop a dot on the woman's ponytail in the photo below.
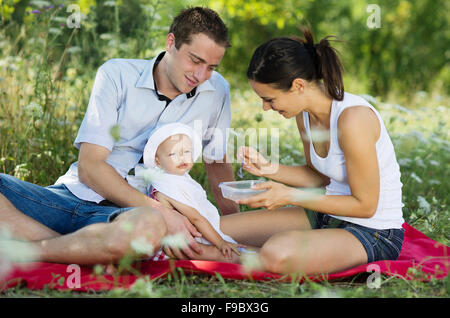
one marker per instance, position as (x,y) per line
(331,69)
(281,60)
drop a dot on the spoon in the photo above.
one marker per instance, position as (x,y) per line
(240,174)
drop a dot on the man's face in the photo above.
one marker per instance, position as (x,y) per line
(192,64)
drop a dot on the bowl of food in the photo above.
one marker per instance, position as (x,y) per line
(237,190)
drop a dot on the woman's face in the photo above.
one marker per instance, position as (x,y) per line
(174,155)
(287,103)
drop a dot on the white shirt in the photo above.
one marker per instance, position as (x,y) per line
(186,190)
(124,95)
(389,210)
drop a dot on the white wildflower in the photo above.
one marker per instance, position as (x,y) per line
(288,160)
(147,174)
(178,240)
(127,227)
(416,177)
(141,246)
(144,288)
(320,135)
(419,162)
(251,262)
(13,253)
(404,161)
(74,49)
(34,109)
(21,171)
(423,204)
(369,98)
(434,163)
(308,194)
(402,108)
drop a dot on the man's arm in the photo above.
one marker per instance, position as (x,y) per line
(97,174)
(221,172)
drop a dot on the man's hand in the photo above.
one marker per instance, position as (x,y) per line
(178,223)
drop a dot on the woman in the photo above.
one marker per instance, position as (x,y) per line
(359,218)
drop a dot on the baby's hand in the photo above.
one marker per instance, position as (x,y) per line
(227,248)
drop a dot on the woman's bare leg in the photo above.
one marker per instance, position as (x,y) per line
(312,252)
(254,228)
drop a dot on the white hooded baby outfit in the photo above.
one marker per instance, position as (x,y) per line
(181,188)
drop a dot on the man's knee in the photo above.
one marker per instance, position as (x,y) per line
(137,232)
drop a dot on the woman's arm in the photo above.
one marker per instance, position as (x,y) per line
(305,176)
(358,132)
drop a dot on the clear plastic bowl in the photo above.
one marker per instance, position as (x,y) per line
(237,190)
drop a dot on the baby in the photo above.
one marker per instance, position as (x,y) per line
(171,151)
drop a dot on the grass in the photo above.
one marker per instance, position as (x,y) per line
(195,286)
(42,102)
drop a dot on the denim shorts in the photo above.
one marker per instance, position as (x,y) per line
(55,206)
(379,244)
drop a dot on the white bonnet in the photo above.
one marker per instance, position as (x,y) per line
(165,131)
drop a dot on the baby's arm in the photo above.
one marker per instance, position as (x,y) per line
(203,226)
(163,200)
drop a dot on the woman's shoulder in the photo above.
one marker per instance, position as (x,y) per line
(353,99)
(357,121)
(354,110)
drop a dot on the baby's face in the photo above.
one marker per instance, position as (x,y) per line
(174,154)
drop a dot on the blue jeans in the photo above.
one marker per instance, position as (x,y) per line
(55,206)
(379,244)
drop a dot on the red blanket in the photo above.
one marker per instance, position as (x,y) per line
(420,258)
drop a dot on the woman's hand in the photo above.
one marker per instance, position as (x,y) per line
(277,195)
(254,162)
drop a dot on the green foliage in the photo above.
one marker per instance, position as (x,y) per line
(408,52)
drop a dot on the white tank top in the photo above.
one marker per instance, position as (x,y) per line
(389,211)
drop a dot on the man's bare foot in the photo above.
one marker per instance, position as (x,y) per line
(212,253)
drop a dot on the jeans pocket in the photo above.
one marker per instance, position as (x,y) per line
(387,244)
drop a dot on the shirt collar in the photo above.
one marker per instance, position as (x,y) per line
(146,79)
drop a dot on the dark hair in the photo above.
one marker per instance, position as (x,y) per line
(281,60)
(196,20)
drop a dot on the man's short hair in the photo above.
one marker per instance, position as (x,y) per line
(196,20)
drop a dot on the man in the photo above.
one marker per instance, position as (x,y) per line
(79,219)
